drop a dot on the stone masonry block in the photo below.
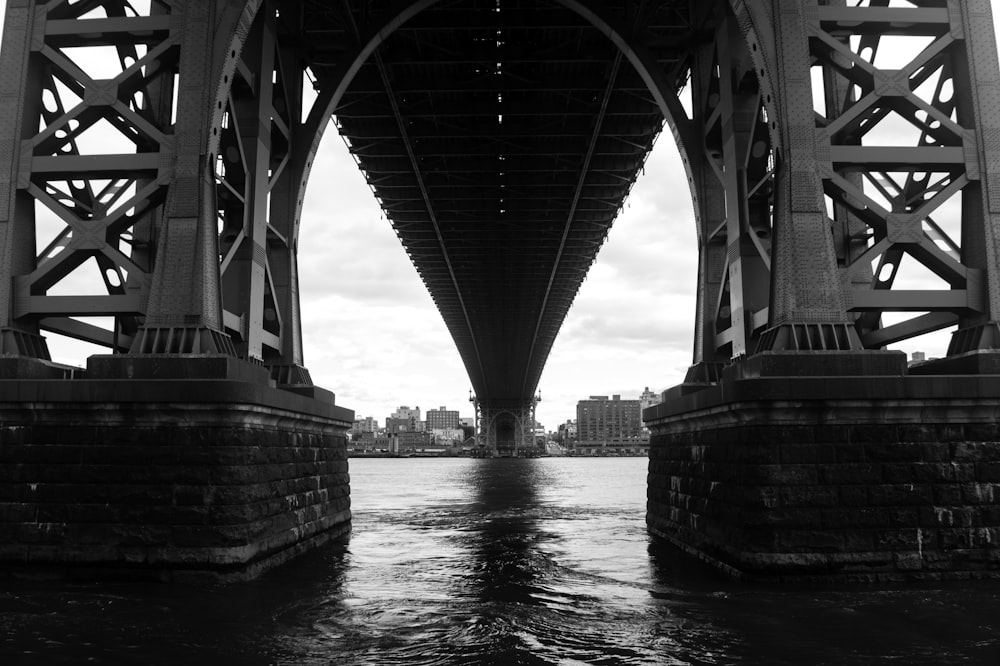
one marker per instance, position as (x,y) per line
(851,473)
(892,451)
(977,452)
(900,494)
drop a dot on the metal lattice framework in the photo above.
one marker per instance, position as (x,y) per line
(899,146)
(835,181)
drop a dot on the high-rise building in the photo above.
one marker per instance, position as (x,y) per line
(648,398)
(608,426)
(404,419)
(442,419)
(567,432)
(366,424)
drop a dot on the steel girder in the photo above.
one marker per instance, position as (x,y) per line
(501,139)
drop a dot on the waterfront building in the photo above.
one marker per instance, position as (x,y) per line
(413,440)
(648,398)
(567,433)
(362,425)
(404,419)
(363,441)
(446,436)
(442,419)
(395,426)
(609,426)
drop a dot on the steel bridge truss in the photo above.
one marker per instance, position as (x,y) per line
(506,429)
(94,169)
(902,163)
(843,159)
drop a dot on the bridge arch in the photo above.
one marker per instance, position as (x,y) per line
(683,129)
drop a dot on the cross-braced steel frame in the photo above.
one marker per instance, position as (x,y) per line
(842,158)
(506,430)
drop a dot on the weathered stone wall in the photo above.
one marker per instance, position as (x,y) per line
(212,482)
(830,488)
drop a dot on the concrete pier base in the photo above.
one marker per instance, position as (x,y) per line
(786,470)
(167,468)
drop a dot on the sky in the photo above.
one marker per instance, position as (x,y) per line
(373,336)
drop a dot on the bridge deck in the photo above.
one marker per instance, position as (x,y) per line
(501,139)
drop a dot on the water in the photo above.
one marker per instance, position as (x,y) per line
(459,561)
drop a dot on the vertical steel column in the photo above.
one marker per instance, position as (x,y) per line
(184,313)
(977,91)
(735,179)
(260,187)
(808,309)
(244,169)
(20,105)
(285,217)
(710,213)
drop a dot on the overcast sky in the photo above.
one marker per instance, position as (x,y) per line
(374,337)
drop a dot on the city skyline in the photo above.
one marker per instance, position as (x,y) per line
(382,420)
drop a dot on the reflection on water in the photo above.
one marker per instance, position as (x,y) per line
(454,561)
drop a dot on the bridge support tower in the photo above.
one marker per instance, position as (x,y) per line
(150,194)
(845,144)
(506,429)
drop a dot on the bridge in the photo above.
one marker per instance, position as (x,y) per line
(847,196)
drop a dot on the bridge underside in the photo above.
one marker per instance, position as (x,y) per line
(841,159)
(501,139)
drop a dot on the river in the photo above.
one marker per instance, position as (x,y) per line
(505,561)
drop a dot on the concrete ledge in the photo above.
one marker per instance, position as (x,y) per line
(979,362)
(818,364)
(24,367)
(176,366)
(31,394)
(977,389)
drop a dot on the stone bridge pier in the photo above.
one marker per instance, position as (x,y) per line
(861,470)
(165,467)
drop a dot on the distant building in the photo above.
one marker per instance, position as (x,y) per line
(648,398)
(567,432)
(446,436)
(363,441)
(404,419)
(466,421)
(442,419)
(395,426)
(408,418)
(413,441)
(609,427)
(367,424)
